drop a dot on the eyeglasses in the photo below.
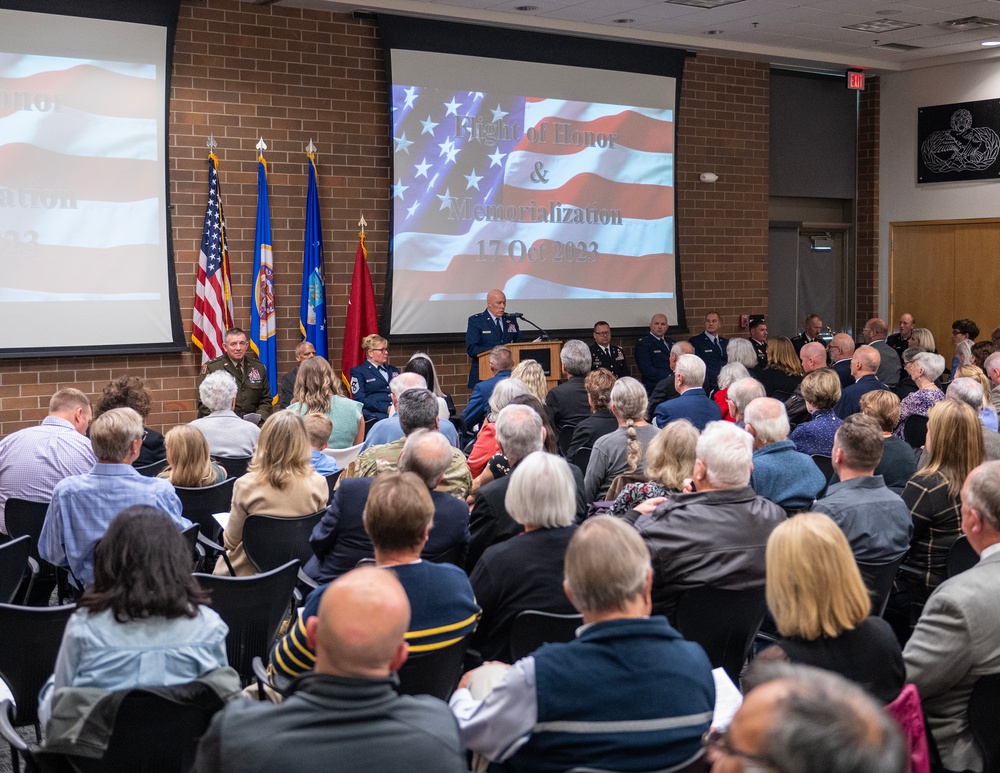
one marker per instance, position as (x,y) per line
(719,740)
(602,332)
(383,349)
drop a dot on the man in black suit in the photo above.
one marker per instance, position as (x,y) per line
(841,350)
(810,332)
(711,347)
(303,351)
(666,389)
(864,366)
(652,353)
(567,403)
(605,355)
(488,329)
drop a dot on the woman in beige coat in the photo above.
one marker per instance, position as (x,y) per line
(280,481)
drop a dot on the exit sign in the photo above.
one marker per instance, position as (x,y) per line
(856,80)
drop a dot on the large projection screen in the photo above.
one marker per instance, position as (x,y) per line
(84,234)
(551,181)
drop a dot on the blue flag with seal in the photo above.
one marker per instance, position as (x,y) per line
(312,312)
(262,321)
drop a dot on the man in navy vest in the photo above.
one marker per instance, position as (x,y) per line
(629,693)
(488,329)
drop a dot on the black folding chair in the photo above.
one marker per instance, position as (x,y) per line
(152,470)
(253,608)
(878,579)
(434,673)
(723,622)
(915,431)
(16,566)
(235,466)
(24,517)
(961,556)
(271,540)
(531,629)
(331,482)
(984,720)
(200,504)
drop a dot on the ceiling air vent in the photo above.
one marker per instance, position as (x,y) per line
(703,3)
(968,23)
(900,47)
(880,25)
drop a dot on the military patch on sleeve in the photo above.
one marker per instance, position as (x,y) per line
(354,385)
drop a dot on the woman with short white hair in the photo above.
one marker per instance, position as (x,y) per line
(925,368)
(526,572)
(228,435)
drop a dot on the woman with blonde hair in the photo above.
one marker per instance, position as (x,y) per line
(822,609)
(279,481)
(820,391)
(954,448)
(987,414)
(923,338)
(601,421)
(669,463)
(622,450)
(189,463)
(318,390)
(784,368)
(531,373)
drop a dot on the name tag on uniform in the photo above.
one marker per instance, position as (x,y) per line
(657,351)
(487,332)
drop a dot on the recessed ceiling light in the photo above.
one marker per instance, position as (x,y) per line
(623,21)
(704,3)
(990,43)
(890,12)
(880,25)
(525,7)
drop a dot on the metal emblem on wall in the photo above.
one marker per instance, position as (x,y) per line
(958,142)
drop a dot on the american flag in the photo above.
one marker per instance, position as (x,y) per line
(586,188)
(213,299)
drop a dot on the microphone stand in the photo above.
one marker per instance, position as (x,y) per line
(543,337)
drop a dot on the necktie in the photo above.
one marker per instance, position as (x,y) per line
(500,327)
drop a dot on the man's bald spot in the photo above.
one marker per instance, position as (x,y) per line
(868,358)
(363,618)
(814,353)
(495,295)
(846,344)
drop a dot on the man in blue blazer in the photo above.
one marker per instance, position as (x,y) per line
(711,347)
(370,380)
(501,364)
(692,404)
(488,329)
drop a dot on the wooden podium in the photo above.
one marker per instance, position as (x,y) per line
(545,353)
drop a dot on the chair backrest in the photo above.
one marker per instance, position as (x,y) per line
(961,556)
(825,465)
(878,579)
(984,719)
(331,481)
(434,673)
(271,540)
(14,557)
(582,457)
(565,437)
(198,505)
(723,622)
(24,517)
(915,431)
(152,470)
(235,466)
(31,639)
(252,607)
(531,629)
(345,456)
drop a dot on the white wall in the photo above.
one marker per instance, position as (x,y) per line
(900,198)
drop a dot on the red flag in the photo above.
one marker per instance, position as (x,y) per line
(361,319)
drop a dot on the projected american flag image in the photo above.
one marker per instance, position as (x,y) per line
(545,198)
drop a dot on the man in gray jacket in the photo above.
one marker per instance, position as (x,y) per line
(346,714)
(716,534)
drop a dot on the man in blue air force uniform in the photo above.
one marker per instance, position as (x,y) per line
(489,329)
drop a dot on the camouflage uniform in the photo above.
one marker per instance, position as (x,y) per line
(254,395)
(385,458)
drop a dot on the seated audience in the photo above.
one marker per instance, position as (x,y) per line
(339,541)
(84,505)
(279,481)
(821,608)
(933,494)
(784,369)
(957,638)
(841,349)
(820,392)
(741,393)
(813,358)
(567,403)
(33,460)
(744,353)
(501,364)
(632,675)
(318,428)
(875,332)
(318,390)
(925,368)
(422,364)
(533,376)
(803,719)
(346,714)
(669,464)
(981,350)
(963,330)
(143,623)
(731,372)
(188,462)
(970,392)
(924,339)
(898,462)
(389,430)
(665,388)
(622,450)
(130,392)
(601,421)
(715,534)
(398,516)
(486,446)
(987,415)
(303,351)
(874,519)
(780,473)
(691,403)
(370,380)
(992,369)
(417,410)
(864,366)
(228,435)
(906,385)
(525,572)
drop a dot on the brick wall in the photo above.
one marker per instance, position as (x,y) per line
(291,75)
(867,203)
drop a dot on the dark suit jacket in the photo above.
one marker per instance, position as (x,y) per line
(665,390)
(850,398)
(287,387)
(615,362)
(760,349)
(693,405)
(489,522)
(653,358)
(368,387)
(481,335)
(479,400)
(843,369)
(713,357)
(800,340)
(568,404)
(339,540)
(598,424)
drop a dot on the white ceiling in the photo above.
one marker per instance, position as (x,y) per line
(800,32)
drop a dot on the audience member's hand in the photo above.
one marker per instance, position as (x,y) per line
(467,676)
(688,486)
(645,508)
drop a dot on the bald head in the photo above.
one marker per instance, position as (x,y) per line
(841,347)
(496,302)
(875,330)
(363,618)
(813,357)
(658,325)
(865,361)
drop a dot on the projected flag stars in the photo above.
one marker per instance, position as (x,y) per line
(398,189)
(411,96)
(422,168)
(428,127)
(403,144)
(452,107)
(472,180)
